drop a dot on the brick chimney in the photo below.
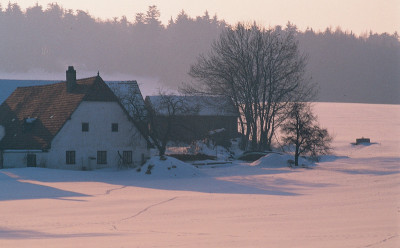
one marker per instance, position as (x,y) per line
(71,78)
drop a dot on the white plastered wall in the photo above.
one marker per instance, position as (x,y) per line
(100,116)
(18,158)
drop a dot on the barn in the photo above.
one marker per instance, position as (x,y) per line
(194,117)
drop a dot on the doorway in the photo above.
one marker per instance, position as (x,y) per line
(31,160)
(1,159)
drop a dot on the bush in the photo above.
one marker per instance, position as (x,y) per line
(149,168)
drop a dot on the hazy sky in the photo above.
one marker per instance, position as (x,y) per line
(356,15)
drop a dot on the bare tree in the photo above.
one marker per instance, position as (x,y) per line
(158,117)
(164,110)
(302,131)
(131,98)
(260,70)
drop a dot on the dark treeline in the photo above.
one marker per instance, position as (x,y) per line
(347,67)
(351,68)
(49,39)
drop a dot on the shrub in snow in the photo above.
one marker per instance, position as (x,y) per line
(290,162)
(149,167)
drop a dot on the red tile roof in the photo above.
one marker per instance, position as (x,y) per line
(51,105)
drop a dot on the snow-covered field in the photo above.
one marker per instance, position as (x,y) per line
(350,199)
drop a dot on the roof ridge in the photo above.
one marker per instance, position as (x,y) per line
(43,85)
(85,78)
(80,79)
(123,81)
(60,82)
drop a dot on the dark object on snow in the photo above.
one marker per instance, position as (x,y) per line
(363,141)
(251,156)
(192,157)
(149,168)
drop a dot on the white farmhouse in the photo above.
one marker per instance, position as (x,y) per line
(77,124)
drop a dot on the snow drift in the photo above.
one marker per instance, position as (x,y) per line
(168,167)
(279,160)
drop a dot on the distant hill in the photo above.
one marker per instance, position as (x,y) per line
(354,69)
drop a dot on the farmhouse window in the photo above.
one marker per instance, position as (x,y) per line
(70,157)
(85,127)
(114,127)
(127,157)
(101,157)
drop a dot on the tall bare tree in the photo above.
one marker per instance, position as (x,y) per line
(261,71)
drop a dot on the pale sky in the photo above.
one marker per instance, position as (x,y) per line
(360,16)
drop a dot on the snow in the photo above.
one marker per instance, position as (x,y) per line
(349,199)
(200,147)
(30,120)
(168,167)
(278,160)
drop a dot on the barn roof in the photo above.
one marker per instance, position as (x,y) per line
(199,105)
(32,116)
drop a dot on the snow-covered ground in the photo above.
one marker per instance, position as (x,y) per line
(349,199)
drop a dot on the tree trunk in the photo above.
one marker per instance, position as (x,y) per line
(296,156)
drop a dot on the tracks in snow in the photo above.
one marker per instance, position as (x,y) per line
(111,190)
(147,208)
(381,241)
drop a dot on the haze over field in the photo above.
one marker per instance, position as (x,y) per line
(40,42)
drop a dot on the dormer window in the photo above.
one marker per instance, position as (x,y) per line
(28,124)
(114,127)
(85,127)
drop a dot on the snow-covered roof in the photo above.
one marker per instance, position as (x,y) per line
(131,97)
(197,105)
